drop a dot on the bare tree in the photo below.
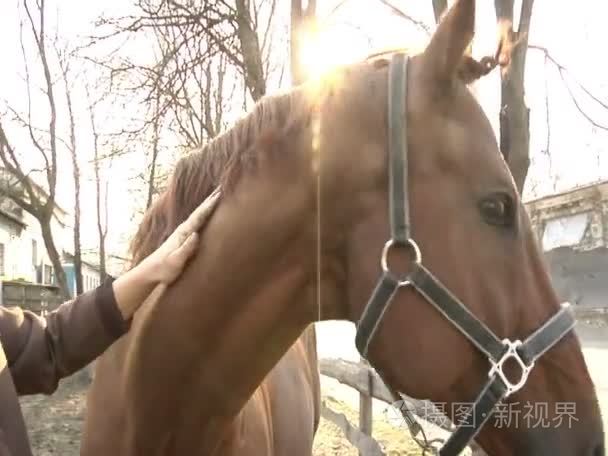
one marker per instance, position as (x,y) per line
(252,63)
(197,42)
(155,140)
(514,114)
(20,186)
(205,51)
(101,207)
(64,64)
(228,28)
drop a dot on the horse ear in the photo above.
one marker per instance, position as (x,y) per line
(450,41)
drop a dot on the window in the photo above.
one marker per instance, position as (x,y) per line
(1,259)
(565,231)
(34,253)
(49,277)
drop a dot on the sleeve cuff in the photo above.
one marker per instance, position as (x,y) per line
(111,317)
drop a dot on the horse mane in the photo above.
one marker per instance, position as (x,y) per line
(219,162)
(223,159)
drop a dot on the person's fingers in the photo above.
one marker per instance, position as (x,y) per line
(190,244)
(203,211)
(185,251)
(194,222)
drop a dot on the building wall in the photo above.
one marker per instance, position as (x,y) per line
(25,255)
(90,277)
(590,200)
(26,258)
(35,263)
(10,240)
(579,270)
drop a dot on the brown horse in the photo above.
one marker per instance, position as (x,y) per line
(297,238)
(264,425)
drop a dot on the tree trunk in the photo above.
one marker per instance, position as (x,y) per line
(101,231)
(49,243)
(76,175)
(152,174)
(102,256)
(514,114)
(515,130)
(250,48)
(77,250)
(155,142)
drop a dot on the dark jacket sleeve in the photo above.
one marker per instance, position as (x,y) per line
(42,351)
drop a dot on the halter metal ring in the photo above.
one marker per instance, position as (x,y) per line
(497,367)
(384,259)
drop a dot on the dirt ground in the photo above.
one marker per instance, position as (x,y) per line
(330,441)
(55,423)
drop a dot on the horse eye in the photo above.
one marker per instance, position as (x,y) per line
(498,210)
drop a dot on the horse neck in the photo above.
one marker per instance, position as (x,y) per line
(236,309)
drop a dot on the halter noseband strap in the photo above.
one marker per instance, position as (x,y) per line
(498,386)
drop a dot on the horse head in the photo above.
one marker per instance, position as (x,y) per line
(462,310)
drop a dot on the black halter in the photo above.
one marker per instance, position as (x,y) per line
(498,351)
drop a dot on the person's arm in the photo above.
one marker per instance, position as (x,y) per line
(41,351)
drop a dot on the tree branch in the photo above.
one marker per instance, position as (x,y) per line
(28,124)
(563,71)
(402,14)
(33,206)
(33,129)
(39,37)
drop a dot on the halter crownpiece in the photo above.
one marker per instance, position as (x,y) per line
(524,353)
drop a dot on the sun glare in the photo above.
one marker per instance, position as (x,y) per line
(324,49)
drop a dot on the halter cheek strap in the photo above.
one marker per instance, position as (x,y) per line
(499,386)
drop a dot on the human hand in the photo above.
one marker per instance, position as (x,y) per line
(166,263)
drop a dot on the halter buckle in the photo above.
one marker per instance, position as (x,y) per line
(497,367)
(384,259)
